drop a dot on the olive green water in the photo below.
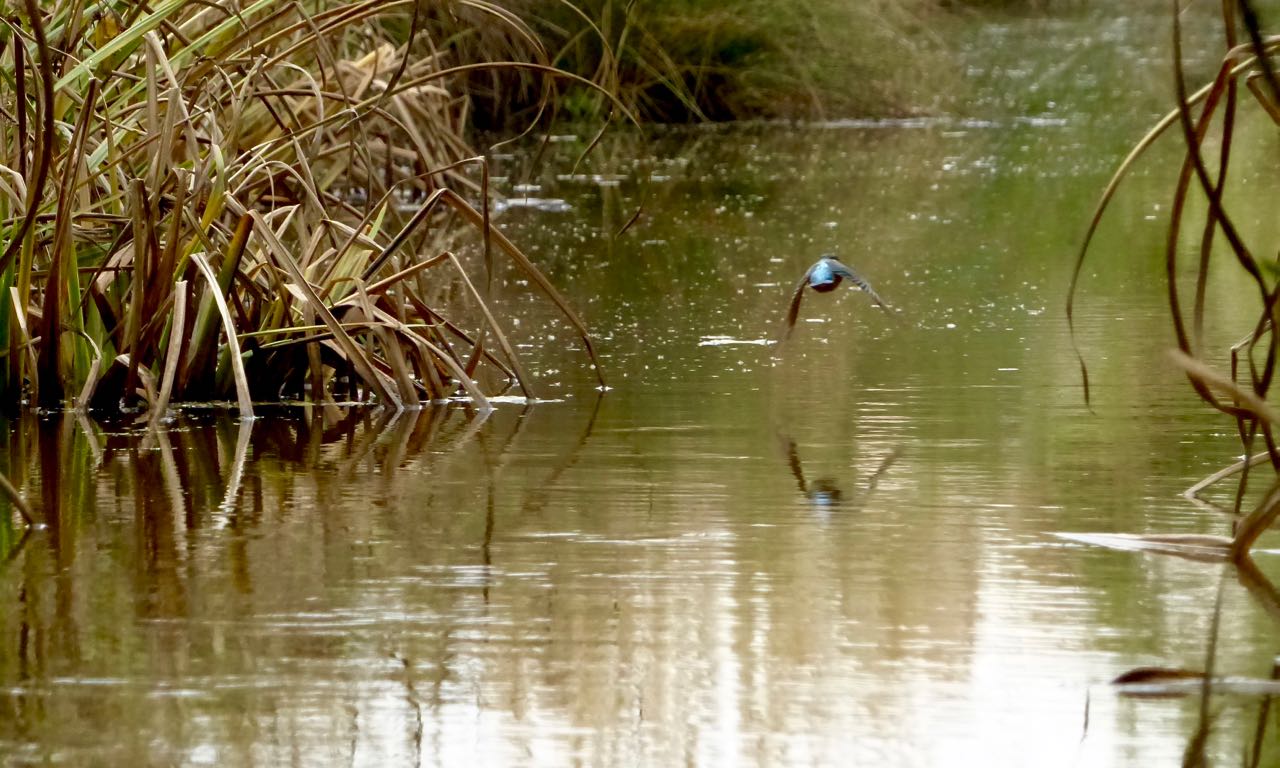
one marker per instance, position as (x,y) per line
(837,552)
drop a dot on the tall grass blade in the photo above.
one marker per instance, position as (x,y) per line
(174,356)
(119,45)
(534,274)
(201,354)
(26,343)
(523,378)
(91,377)
(228,325)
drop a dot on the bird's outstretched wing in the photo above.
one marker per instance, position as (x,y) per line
(856,279)
(794,312)
(797,469)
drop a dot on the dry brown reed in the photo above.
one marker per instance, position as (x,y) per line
(1207,120)
(253,199)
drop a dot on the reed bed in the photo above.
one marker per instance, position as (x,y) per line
(248,201)
(1206,120)
(673,61)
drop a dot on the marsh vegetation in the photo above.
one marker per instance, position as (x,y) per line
(1204,223)
(1200,221)
(245,201)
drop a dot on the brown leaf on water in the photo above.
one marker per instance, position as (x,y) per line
(1156,675)
(1173,683)
(1159,682)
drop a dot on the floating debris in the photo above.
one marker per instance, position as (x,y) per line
(1193,546)
(725,341)
(545,204)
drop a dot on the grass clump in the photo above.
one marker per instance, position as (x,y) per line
(256,198)
(688,60)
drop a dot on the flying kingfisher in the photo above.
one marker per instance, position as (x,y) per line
(824,276)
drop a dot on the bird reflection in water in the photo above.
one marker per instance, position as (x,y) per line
(824,492)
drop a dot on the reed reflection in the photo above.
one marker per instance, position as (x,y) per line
(241,554)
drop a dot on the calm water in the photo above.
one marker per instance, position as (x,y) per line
(840,552)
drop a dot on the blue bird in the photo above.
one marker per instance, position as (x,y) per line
(823,277)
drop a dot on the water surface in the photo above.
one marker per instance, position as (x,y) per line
(839,551)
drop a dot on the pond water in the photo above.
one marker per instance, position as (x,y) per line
(838,551)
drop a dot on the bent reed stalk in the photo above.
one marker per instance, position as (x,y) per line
(254,199)
(1207,120)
